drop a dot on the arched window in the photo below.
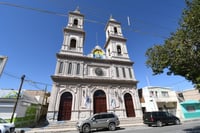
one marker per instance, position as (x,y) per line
(117,71)
(119,51)
(75,23)
(78,68)
(73,44)
(130,72)
(124,73)
(70,68)
(109,52)
(60,67)
(115,30)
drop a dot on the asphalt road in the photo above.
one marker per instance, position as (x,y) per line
(187,127)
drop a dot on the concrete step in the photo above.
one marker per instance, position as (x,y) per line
(71,124)
(59,126)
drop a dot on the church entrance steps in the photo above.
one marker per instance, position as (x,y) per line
(61,126)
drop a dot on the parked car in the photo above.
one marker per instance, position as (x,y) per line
(160,118)
(6,127)
(98,121)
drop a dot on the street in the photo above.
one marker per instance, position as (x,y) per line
(187,127)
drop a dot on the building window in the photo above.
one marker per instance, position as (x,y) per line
(75,23)
(151,93)
(78,68)
(156,93)
(72,44)
(108,32)
(119,51)
(190,108)
(130,73)
(117,71)
(115,30)
(165,94)
(60,67)
(108,52)
(70,68)
(123,70)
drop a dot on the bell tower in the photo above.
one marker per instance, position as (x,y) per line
(115,42)
(74,34)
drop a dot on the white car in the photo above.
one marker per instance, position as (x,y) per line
(6,127)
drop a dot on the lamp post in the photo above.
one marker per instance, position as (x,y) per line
(18,95)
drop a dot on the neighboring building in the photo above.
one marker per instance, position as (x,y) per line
(42,98)
(3,60)
(192,94)
(159,98)
(102,81)
(190,103)
(190,109)
(29,108)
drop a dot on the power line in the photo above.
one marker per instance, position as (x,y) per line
(88,20)
(95,12)
(29,81)
(34,9)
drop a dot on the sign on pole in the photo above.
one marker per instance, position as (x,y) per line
(3,60)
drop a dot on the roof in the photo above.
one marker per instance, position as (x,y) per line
(190,102)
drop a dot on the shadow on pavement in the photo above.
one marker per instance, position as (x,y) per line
(101,130)
(193,130)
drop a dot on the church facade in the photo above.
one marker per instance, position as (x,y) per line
(102,81)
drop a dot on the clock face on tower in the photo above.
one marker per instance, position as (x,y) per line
(99,71)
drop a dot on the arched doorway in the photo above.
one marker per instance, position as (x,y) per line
(130,112)
(65,107)
(99,104)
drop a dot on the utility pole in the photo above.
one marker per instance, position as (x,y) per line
(18,95)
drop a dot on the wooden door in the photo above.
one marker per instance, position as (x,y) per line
(99,102)
(65,107)
(130,112)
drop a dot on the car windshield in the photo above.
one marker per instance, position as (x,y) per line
(3,121)
(89,118)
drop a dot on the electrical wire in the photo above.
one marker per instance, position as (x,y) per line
(34,9)
(88,20)
(29,81)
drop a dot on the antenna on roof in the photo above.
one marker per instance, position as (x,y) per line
(96,38)
(147,78)
(110,16)
(128,19)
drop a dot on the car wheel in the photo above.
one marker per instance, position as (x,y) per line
(112,126)
(149,125)
(86,128)
(177,122)
(159,124)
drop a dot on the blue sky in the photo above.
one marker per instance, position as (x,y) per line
(31,33)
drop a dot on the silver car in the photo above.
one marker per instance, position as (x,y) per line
(98,121)
(6,127)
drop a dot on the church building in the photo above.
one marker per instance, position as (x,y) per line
(102,81)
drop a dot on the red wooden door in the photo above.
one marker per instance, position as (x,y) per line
(65,107)
(100,102)
(130,112)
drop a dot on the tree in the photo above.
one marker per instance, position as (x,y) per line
(180,53)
